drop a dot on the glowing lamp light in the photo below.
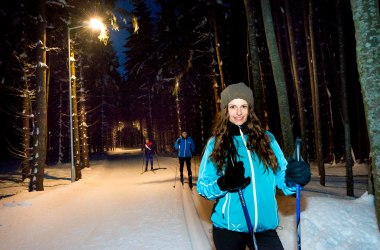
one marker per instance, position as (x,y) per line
(96,24)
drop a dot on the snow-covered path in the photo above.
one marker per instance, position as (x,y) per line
(113,207)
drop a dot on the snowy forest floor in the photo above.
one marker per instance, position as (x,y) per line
(117,206)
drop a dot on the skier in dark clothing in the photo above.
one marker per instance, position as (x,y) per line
(186,148)
(149,153)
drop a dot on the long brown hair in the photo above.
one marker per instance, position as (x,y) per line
(258,141)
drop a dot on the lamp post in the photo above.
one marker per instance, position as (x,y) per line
(95,24)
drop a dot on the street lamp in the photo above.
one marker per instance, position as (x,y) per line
(94,24)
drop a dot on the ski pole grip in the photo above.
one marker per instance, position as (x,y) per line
(298,149)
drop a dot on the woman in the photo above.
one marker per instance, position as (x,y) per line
(242,155)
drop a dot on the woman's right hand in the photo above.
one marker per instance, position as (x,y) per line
(233,178)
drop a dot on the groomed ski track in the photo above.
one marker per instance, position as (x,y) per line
(199,233)
(114,206)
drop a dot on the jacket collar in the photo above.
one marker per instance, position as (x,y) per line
(234,129)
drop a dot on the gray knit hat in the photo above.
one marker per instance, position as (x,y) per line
(235,91)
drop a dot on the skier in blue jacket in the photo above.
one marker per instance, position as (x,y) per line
(242,155)
(186,149)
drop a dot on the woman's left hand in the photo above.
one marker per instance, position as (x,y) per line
(298,172)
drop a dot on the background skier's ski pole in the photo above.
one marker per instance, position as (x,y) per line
(175,176)
(158,163)
(298,197)
(195,166)
(247,218)
(143,161)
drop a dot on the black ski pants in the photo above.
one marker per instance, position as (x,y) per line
(182,161)
(148,158)
(230,240)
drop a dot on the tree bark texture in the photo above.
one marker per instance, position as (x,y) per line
(344,103)
(40,112)
(294,68)
(279,78)
(77,162)
(215,88)
(83,122)
(219,56)
(254,62)
(315,93)
(26,106)
(178,106)
(367,33)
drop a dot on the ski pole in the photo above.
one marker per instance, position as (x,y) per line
(158,163)
(298,197)
(142,166)
(298,215)
(195,165)
(247,218)
(175,176)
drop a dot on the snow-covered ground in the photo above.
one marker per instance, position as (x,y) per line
(114,206)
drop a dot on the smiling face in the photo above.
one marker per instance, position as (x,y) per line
(238,111)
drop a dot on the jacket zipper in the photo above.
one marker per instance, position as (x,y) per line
(184,150)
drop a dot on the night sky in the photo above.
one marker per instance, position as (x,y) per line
(119,38)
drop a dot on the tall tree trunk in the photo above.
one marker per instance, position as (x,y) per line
(140,139)
(60,124)
(40,114)
(258,91)
(26,107)
(294,68)
(215,88)
(150,118)
(219,57)
(114,132)
(279,78)
(316,103)
(367,33)
(322,85)
(309,32)
(202,125)
(217,48)
(103,132)
(178,105)
(75,134)
(215,85)
(83,121)
(346,118)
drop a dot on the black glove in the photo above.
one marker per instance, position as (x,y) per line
(298,172)
(233,178)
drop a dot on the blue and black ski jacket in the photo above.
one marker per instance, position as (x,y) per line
(185,147)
